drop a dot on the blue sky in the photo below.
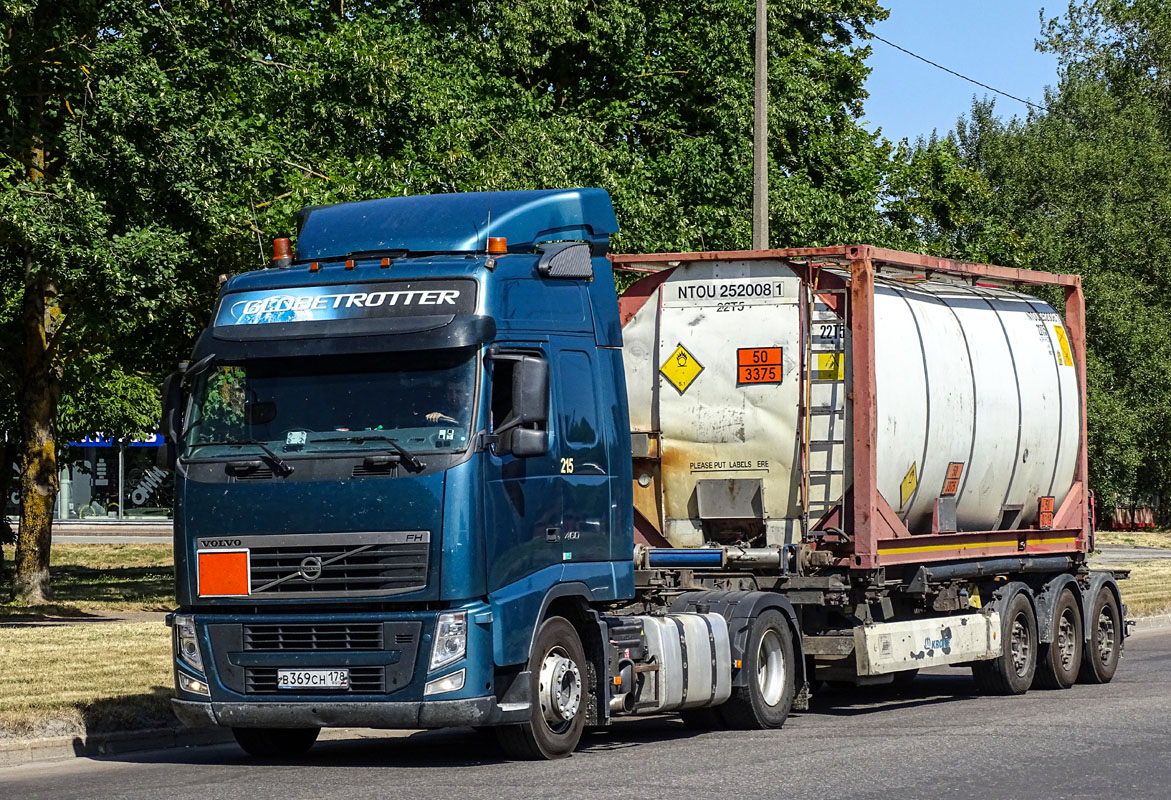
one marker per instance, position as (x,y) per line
(988,40)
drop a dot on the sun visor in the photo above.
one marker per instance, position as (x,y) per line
(346,318)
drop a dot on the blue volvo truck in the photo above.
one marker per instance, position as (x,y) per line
(405,499)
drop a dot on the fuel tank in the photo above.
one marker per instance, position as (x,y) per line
(741,402)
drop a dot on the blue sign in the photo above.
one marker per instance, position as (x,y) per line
(347,301)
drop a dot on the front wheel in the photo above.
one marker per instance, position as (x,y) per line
(768,660)
(560,694)
(275,742)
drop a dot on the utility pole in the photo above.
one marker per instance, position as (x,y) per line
(760,133)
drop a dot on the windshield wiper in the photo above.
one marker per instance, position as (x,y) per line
(361,438)
(282,467)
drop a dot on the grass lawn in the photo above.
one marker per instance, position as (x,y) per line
(68,680)
(95,676)
(1160,539)
(101,577)
(1148,589)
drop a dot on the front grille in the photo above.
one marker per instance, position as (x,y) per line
(349,636)
(332,564)
(363,680)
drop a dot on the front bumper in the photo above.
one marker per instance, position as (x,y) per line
(516,707)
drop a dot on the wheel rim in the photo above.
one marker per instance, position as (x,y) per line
(770,668)
(1105,636)
(1066,643)
(1021,647)
(559,689)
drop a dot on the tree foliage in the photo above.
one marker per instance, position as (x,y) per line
(1080,187)
(147,146)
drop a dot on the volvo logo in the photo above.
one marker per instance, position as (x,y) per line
(310,568)
(210,543)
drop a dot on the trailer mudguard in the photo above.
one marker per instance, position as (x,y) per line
(1096,581)
(739,609)
(1045,600)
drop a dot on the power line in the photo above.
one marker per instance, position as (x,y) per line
(958,75)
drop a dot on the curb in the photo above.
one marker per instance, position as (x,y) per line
(28,751)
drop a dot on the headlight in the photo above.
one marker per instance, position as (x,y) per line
(186,647)
(451,639)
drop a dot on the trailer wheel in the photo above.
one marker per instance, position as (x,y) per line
(1062,657)
(768,662)
(275,742)
(1102,651)
(1012,671)
(560,695)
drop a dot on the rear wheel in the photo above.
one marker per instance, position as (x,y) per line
(1012,671)
(1062,657)
(768,661)
(270,742)
(558,667)
(1100,659)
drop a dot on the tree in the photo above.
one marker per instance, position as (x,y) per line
(146,147)
(105,235)
(1080,187)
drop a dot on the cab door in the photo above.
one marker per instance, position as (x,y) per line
(524,492)
(582,457)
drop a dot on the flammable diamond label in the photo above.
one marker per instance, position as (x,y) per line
(681,369)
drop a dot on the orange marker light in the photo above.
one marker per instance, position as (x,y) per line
(282,253)
(350,263)
(497,244)
(223,574)
(314,266)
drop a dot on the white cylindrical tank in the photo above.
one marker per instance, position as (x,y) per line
(976,393)
(979,380)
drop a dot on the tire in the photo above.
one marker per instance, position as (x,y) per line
(1101,653)
(558,667)
(904,679)
(1062,658)
(771,669)
(275,742)
(1012,671)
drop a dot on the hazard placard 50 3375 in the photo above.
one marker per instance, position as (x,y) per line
(758,365)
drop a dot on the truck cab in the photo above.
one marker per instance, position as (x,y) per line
(395,451)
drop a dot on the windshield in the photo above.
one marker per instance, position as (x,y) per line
(420,401)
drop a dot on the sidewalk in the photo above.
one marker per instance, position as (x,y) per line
(64,530)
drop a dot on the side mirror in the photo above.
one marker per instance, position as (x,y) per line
(172,400)
(527,442)
(530,391)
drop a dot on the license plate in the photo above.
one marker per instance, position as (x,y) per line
(313,678)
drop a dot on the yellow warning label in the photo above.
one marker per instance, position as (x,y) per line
(907,487)
(830,367)
(1065,357)
(974,600)
(681,369)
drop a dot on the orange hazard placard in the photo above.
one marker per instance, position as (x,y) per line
(758,365)
(951,484)
(223,573)
(1045,512)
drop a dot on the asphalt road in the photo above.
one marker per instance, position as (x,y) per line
(937,739)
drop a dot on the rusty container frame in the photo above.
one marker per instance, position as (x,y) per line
(876,537)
